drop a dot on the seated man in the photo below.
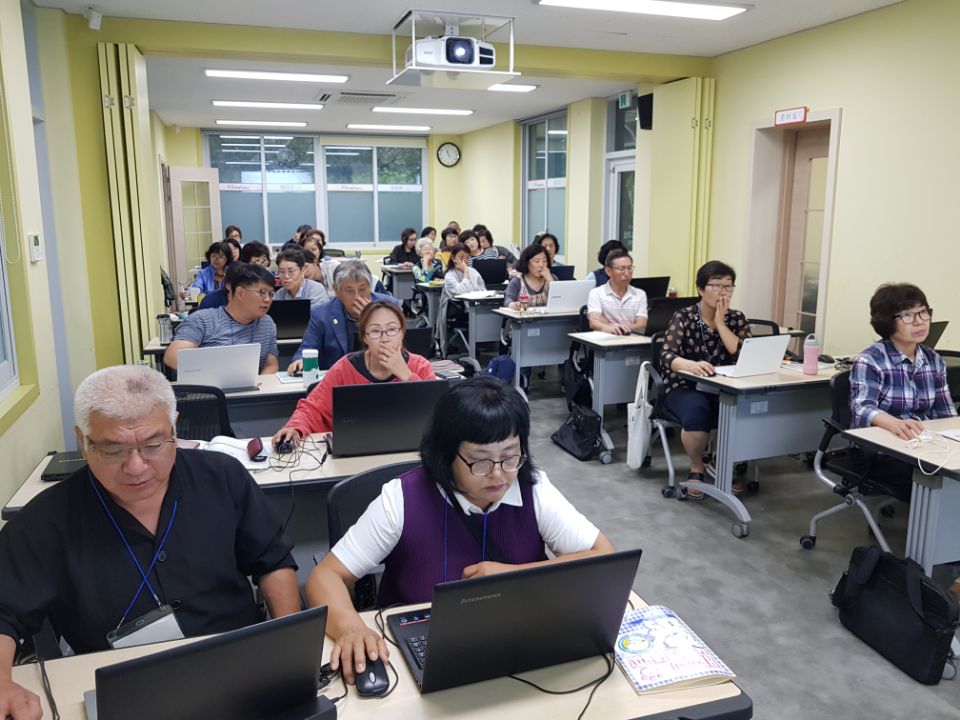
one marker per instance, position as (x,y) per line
(333,325)
(295,284)
(616,306)
(242,320)
(193,522)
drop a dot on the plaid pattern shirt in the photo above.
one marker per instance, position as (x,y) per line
(883,379)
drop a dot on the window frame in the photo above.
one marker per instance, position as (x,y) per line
(525,126)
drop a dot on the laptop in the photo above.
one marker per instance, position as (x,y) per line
(62,465)
(654,287)
(265,670)
(660,310)
(291,318)
(382,417)
(563,272)
(758,356)
(512,622)
(228,367)
(493,272)
(567,295)
(936,332)
(417,340)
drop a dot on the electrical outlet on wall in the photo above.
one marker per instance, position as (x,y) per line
(36,249)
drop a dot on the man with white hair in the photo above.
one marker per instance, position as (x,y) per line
(333,325)
(147,533)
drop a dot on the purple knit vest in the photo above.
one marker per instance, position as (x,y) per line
(416,563)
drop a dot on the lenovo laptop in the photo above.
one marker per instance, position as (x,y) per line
(758,356)
(493,272)
(567,295)
(228,367)
(291,318)
(382,417)
(516,621)
(268,670)
(660,310)
(654,287)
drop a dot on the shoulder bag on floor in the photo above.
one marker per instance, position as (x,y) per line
(580,433)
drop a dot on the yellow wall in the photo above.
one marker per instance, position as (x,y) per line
(891,72)
(487,183)
(37,430)
(586,141)
(446,199)
(183,147)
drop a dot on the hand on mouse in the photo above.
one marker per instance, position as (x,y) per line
(906,429)
(352,649)
(701,368)
(287,433)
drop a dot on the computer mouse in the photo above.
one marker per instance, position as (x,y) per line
(825,359)
(373,680)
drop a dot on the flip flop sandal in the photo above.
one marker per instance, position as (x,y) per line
(691,493)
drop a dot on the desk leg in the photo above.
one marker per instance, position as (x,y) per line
(599,382)
(472,328)
(516,351)
(924,515)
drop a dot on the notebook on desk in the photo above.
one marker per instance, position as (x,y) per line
(758,356)
(62,465)
(291,318)
(512,622)
(228,367)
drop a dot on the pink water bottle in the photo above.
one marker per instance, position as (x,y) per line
(811,351)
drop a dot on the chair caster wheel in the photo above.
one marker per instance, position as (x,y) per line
(681,494)
(753,486)
(807,542)
(606,457)
(668,492)
(740,530)
(887,511)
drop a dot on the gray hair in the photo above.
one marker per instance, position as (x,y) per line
(351,270)
(123,392)
(422,243)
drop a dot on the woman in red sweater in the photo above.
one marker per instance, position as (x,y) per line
(381,328)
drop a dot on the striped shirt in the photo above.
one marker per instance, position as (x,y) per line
(883,379)
(488,254)
(615,309)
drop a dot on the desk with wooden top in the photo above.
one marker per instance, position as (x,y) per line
(539,338)
(503,698)
(763,416)
(403,280)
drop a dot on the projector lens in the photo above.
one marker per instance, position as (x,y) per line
(459,50)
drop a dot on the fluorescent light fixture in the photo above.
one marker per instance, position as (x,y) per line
(351,154)
(672,8)
(274,105)
(262,123)
(510,87)
(421,111)
(253,145)
(278,137)
(556,132)
(265,75)
(239,137)
(237,162)
(400,128)
(226,150)
(348,147)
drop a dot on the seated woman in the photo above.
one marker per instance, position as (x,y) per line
(599,276)
(552,246)
(382,327)
(485,241)
(255,253)
(295,284)
(460,277)
(533,278)
(211,277)
(429,232)
(405,253)
(429,268)
(449,239)
(706,334)
(477,481)
(235,248)
(898,382)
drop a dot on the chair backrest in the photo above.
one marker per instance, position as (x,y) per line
(656,347)
(203,412)
(349,498)
(762,328)
(583,322)
(840,399)
(333,252)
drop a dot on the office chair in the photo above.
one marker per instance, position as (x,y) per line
(862,477)
(661,418)
(763,328)
(576,374)
(334,252)
(952,360)
(345,504)
(203,412)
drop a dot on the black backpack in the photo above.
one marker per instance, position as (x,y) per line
(575,384)
(580,433)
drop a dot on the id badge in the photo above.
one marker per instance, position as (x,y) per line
(158,625)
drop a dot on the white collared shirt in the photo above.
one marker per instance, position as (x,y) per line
(374,536)
(615,309)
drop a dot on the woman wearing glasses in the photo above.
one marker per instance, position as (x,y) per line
(699,337)
(381,328)
(477,505)
(898,382)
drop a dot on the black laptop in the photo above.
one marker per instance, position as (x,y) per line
(62,465)
(661,309)
(269,670)
(291,318)
(936,332)
(417,340)
(384,417)
(493,272)
(512,622)
(563,272)
(654,287)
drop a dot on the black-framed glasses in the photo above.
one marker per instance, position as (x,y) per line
(377,333)
(908,316)
(485,467)
(260,291)
(116,454)
(720,287)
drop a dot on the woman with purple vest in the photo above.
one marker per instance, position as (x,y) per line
(477,506)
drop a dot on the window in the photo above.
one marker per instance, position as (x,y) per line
(11,251)
(545,178)
(622,125)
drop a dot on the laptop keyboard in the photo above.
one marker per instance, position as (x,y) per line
(418,648)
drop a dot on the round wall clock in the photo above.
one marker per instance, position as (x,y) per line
(448,154)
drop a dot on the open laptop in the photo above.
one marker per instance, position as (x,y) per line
(567,295)
(660,310)
(291,318)
(269,670)
(563,272)
(654,287)
(382,417)
(512,622)
(228,367)
(936,332)
(758,356)
(493,272)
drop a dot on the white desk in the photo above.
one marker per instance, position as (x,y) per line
(482,324)
(503,698)
(432,294)
(254,413)
(403,280)
(539,338)
(763,416)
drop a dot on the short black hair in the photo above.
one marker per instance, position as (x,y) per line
(888,301)
(712,270)
(254,249)
(308,257)
(302,229)
(466,235)
(407,232)
(528,254)
(291,254)
(427,230)
(234,242)
(481,410)
(451,265)
(243,274)
(615,255)
(219,247)
(449,231)
(230,228)
(544,236)
(608,247)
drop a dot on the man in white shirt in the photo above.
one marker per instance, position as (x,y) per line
(617,307)
(296,285)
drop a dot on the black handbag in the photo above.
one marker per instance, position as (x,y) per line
(580,433)
(889,603)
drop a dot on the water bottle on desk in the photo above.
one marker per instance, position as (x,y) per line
(164,329)
(311,366)
(811,352)
(523,301)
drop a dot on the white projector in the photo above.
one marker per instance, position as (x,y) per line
(451,51)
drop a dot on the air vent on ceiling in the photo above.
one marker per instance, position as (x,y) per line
(367,98)
(324,97)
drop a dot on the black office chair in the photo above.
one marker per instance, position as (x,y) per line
(203,412)
(661,418)
(862,477)
(334,252)
(763,328)
(345,504)
(576,374)
(953,372)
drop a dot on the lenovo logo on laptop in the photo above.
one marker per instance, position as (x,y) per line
(479,598)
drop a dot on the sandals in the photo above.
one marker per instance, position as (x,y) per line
(694,477)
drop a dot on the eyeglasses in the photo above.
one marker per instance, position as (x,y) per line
(721,288)
(289,272)
(376,333)
(261,292)
(261,260)
(116,454)
(622,268)
(909,316)
(485,467)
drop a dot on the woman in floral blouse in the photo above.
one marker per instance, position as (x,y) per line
(700,337)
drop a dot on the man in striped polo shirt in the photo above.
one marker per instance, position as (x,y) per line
(617,307)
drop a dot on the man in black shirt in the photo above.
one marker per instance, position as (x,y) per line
(146,525)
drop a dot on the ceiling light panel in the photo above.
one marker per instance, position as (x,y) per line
(511,87)
(671,8)
(283,76)
(273,105)
(262,123)
(399,128)
(421,111)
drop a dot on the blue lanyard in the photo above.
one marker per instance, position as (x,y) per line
(143,575)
